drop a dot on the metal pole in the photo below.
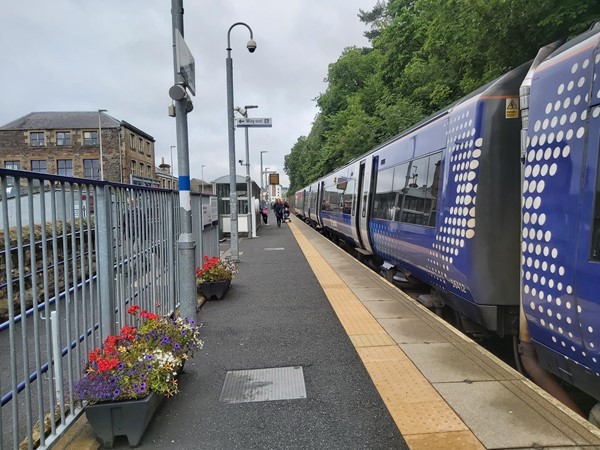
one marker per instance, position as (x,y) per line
(172,168)
(186,243)
(268,194)
(250,215)
(100,111)
(235,254)
(248,187)
(233,212)
(202,177)
(262,185)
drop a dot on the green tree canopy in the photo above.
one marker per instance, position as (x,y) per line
(424,55)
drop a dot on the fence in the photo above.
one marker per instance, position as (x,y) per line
(75,253)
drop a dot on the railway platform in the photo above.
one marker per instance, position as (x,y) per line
(309,349)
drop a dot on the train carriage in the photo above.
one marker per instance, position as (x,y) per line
(494,202)
(560,254)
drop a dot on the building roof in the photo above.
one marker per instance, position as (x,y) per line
(54,120)
(225,179)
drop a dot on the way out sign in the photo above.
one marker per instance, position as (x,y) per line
(254,122)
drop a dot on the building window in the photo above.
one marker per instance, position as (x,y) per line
(65,167)
(39,166)
(91,168)
(63,138)
(148,149)
(90,138)
(37,139)
(12,165)
(132,141)
(141,146)
(133,164)
(149,171)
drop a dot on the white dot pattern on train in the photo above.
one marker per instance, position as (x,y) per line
(547,283)
(459,220)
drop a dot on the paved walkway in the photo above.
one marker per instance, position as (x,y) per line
(275,315)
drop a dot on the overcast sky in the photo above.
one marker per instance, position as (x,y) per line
(84,55)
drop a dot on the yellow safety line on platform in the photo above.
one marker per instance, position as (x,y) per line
(424,419)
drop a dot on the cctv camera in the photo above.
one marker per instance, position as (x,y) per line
(241,161)
(251,45)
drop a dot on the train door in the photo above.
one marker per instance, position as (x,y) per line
(354,215)
(363,201)
(587,279)
(318,206)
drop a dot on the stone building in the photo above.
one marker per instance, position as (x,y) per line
(164,173)
(70,144)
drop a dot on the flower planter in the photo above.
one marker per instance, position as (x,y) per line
(214,289)
(125,417)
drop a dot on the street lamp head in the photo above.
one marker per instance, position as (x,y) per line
(102,110)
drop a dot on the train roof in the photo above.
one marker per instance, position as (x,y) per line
(594,30)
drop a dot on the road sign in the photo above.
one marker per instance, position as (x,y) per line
(254,122)
(185,62)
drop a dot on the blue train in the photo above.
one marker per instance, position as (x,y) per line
(493,202)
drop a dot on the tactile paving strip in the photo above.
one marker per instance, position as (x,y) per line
(421,414)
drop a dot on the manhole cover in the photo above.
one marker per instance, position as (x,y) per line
(259,385)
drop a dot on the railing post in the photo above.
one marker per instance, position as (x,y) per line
(105,261)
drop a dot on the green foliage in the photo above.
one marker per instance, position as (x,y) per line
(425,55)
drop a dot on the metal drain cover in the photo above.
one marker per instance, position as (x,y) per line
(258,385)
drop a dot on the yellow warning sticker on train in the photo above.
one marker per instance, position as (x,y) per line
(512,108)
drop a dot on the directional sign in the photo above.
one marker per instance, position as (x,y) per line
(185,62)
(254,122)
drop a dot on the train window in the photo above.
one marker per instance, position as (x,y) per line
(384,198)
(416,186)
(348,197)
(332,198)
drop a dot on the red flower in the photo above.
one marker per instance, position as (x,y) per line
(148,315)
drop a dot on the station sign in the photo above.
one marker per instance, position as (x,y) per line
(274,179)
(254,122)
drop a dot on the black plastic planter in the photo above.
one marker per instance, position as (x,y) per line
(214,289)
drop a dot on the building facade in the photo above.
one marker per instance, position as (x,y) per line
(164,173)
(79,144)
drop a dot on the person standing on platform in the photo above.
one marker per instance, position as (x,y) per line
(264,213)
(278,211)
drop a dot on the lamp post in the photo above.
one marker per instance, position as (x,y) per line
(202,177)
(100,111)
(266,185)
(172,168)
(261,173)
(251,45)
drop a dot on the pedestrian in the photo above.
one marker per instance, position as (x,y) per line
(279,211)
(264,213)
